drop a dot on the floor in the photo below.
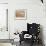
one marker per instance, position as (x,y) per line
(27,44)
(23,44)
(5,44)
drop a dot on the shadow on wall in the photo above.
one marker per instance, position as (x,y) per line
(41,34)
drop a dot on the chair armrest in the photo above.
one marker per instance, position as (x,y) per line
(24,32)
(22,35)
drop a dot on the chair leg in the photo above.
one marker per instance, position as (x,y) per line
(20,42)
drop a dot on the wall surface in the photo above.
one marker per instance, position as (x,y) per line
(35,14)
(3,34)
(3,1)
(3,19)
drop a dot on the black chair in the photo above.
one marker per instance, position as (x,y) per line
(33,30)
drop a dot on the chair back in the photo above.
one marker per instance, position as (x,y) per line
(33,28)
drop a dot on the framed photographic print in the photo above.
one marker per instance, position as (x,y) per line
(21,14)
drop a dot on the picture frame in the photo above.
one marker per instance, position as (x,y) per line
(21,14)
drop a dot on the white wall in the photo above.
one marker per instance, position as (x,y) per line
(35,13)
(3,1)
(3,17)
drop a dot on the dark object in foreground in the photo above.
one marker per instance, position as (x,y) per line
(33,30)
(42,1)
